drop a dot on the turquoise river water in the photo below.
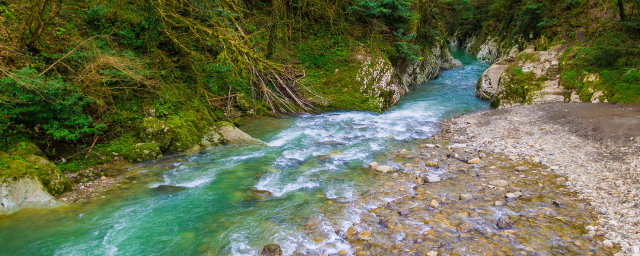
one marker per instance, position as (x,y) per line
(307,161)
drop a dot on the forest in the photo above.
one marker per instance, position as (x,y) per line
(76,77)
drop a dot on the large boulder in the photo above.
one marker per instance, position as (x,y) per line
(29,181)
(232,134)
(488,85)
(153,130)
(15,167)
(212,138)
(377,79)
(24,193)
(49,174)
(142,152)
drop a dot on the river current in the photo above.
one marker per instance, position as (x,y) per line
(308,162)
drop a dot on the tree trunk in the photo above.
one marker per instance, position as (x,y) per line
(623,17)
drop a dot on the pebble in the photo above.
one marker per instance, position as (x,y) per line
(457,146)
(430,146)
(364,234)
(474,161)
(434,203)
(431,164)
(384,168)
(590,228)
(432,253)
(465,197)
(513,195)
(608,243)
(498,203)
(521,168)
(433,179)
(374,165)
(499,183)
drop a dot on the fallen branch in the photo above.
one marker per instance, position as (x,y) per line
(69,53)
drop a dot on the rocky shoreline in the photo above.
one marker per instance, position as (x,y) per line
(555,178)
(594,146)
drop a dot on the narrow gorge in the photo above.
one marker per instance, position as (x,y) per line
(359,127)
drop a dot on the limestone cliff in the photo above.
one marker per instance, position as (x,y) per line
(525,77)
(386,83)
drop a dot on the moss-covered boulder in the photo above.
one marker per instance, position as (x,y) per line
(25,148)
(212,138)
(50,175)
(15,167)
(153,130)
(142,152)
(184,133)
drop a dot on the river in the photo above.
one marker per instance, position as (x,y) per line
(308,162)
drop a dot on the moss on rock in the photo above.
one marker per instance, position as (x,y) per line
(142,152)
(153,130)
(15,167)
(25,148)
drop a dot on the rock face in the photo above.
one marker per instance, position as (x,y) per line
(485,49)
(24,193)
(525,78)
(386,83)
(489,51)
(271,250)
(488,84)
(142,152)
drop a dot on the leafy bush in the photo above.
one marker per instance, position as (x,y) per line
(605,53)
(49,106)
(396,14)
(97,18)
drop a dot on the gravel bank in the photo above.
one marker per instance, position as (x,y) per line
(595,146)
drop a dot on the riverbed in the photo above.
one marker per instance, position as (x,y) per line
(315,168)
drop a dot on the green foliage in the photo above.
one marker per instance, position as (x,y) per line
(396,14)
(96,18)
(49,106)
(605,52)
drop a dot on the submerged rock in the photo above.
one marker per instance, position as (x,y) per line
(260,194)
(506,221)
(271,250)
(168,189)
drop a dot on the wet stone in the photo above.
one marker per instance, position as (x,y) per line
(271,250)
(168,189)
